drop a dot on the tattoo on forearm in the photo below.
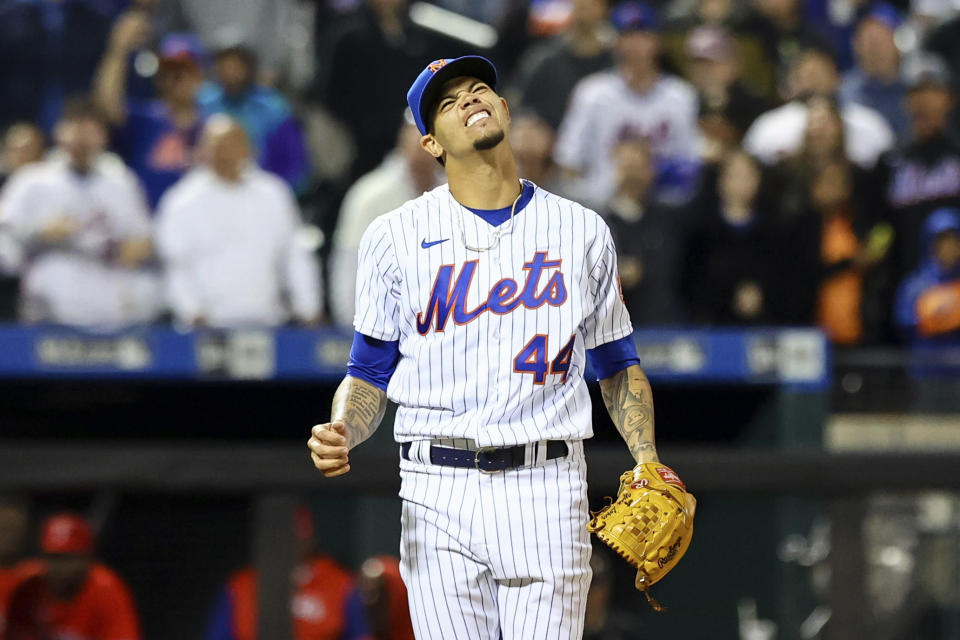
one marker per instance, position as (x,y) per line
(360,406)
(629,400)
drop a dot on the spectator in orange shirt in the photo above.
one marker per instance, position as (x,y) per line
(68,594)
(928,303)
(321,587)
(13,532)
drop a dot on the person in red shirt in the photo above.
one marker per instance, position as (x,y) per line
(68,594)
(321,588)
(14,520)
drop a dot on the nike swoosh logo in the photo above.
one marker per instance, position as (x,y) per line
(427,245)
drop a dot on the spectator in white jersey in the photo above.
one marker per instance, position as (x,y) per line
(635,99)
(779,133)
(81,225)
(404,174)
(229,236)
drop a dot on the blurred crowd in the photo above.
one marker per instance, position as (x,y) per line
(760,162)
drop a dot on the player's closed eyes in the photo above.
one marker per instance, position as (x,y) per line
(449,101)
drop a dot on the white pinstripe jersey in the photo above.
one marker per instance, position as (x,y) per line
(492,343)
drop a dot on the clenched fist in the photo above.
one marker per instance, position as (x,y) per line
(329,449)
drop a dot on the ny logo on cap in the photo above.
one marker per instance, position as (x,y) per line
(436,65)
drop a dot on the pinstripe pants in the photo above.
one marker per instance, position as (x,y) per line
(496,556)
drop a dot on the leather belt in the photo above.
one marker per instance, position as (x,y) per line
(488,459)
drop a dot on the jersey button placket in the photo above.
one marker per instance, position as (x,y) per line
(503,325)
(496,274)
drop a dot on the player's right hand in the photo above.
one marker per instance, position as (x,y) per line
(329,450)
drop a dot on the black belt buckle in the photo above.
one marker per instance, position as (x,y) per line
(476,460)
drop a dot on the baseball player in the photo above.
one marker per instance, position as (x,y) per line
(477,305)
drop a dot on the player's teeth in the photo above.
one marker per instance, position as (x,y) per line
(477,117)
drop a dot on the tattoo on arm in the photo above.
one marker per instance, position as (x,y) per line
(360,406)
(629,401)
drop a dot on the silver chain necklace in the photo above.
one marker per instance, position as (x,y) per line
(497,231)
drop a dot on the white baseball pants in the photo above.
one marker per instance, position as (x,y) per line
(505,555)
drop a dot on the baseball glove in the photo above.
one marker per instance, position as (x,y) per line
(648,524)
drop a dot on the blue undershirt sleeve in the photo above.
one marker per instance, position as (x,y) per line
(373,360)
(612,357)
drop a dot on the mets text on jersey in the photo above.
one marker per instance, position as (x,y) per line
(503,297)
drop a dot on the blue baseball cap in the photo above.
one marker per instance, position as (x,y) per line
(184,48)
(942,220)
(884,13)
(423,92)
(634,16)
